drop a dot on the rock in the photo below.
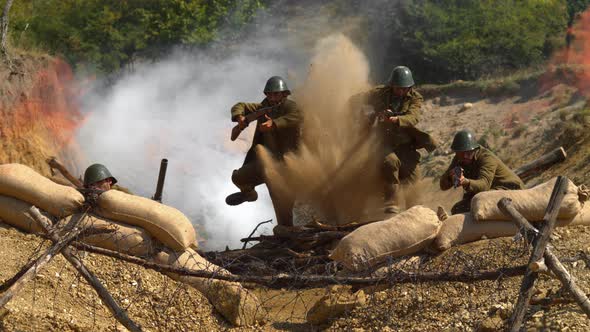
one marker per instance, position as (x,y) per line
(466,107)
(333,305)
(491,324)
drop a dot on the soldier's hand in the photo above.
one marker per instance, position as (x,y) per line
(464,182)
(266,125)
(393,119)
(242,122)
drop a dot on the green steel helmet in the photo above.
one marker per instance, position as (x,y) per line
(276,84)
(95,173)
(464,141)
(401,76)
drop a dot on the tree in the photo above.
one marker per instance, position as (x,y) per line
(4,27)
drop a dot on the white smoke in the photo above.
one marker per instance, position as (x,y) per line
(179,109)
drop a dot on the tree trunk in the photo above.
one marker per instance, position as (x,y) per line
(4,25)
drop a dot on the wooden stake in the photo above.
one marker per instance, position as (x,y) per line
(567,281)
(103,293)
(53,163)
(539,245)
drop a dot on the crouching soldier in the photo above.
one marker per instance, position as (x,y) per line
(98,177)
(278,131)
(397,108)
(476,169)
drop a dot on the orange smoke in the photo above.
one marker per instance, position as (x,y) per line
(42,118)
(571,64)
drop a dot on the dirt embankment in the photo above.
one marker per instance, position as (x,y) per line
(39,107)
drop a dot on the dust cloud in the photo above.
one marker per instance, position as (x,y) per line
(178,109)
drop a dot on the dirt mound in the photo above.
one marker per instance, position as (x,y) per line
(40,113)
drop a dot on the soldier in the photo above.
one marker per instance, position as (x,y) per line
(97,176)
(397,110)
(278,132)
(476,169)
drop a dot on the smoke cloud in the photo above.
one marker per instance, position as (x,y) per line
(179,109)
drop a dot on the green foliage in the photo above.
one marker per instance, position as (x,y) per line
(113,33)
(463,39)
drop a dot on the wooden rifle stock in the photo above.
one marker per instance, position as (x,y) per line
(236,130)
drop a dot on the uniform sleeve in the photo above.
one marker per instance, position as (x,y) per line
(411,118)
(486,176)
(242,109)
(445,180)
(292,118)
(356,103)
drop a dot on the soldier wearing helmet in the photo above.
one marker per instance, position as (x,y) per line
(476,169)
(97,176)
(279,133)
(397,107)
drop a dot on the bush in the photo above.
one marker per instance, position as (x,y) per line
(465,39)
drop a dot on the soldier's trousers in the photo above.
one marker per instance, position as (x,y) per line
(400,166)
(252,174)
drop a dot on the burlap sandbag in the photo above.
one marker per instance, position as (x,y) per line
(403,234)
(238,305)
(164,223)
(462,228)
(531,203)
(15,212)
(126,239)
(20,181)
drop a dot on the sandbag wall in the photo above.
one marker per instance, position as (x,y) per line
(487,220)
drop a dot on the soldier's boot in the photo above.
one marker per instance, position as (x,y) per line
(392,204)
(241,197)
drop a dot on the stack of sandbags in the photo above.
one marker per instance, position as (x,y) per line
(486,220)
(402,234)
(21,182)
(164,223)
(238,305)
(531,203)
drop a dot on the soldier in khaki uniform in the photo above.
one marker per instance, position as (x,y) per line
(476,169)
(397,108)
(278,132)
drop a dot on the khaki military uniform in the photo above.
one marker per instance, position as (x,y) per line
(486,172)
(399,140)
(287,119)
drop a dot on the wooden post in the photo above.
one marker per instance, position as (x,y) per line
(539,245)
(103,293)
(31,270)
(506,206)
(542,163)
(567,281)
(53,163)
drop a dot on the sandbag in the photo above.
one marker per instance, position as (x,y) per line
(22,182)
(402,234)
(126,239)
(531,203)
(237,304)
(462,228)
(15,213)
(164,223)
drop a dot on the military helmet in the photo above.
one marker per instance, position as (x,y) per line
(95,173)
(401,76)
(276,84)
(464,141)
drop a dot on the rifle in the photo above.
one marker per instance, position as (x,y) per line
(457,171)
(161,177)
(236,131)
